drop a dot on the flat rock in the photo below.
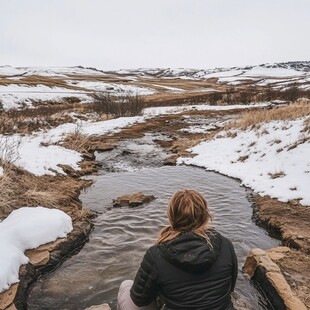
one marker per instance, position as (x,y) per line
(132,200)
(7,297)
(99,307)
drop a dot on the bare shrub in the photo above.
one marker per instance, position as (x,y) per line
(214,98)
(291,94)
(118,106)
(28,120)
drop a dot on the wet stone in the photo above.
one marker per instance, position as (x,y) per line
(99,307)
(132,200)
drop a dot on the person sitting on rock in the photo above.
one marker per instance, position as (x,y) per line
(191,266)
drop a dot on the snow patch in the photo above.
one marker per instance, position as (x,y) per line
(27,228)
(269,160)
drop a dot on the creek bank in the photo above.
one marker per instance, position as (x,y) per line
(288,222)
(42,260)
(261,266)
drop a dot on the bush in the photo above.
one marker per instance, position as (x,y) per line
(119,106)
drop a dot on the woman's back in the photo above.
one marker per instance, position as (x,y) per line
(188,272)
(189,267)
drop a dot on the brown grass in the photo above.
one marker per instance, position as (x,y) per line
(19,188)
(77,141)
(255,117)
(29,120)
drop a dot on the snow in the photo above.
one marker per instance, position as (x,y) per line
(202,107)
(9,71)
(1,171)
(27,228)
(37,153)
(261,159)
(117,89)
(13,95)
(172,89)
(258,71)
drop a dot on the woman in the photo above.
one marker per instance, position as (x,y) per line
(190,266)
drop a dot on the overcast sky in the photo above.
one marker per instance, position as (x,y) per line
(112,34)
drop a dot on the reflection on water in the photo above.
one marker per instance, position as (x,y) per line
(121,236)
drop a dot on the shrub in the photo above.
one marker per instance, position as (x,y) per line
(118,106)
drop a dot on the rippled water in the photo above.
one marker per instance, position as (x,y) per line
(121,236)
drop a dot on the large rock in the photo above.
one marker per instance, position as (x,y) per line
(132,200)
(260,267)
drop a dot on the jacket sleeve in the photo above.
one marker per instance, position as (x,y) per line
(234,268)
(144,288)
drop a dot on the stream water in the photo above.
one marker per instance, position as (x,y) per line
(121,235)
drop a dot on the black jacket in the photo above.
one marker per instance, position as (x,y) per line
(188,272)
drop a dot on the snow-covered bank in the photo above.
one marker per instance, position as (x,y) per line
(13,96)
(200,107)
(273,160)
(27,228)
(37,154)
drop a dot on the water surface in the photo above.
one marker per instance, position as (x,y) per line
(121,236)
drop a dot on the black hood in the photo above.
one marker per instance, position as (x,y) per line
(191,252)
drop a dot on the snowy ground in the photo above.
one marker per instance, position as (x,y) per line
(115,89)
(273,160)
(13,96)
(27,228)
(32,154)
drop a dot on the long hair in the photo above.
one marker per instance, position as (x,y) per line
(187,212)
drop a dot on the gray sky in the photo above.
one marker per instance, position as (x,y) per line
(112,34)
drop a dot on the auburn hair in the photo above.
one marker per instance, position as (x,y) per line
(187,212)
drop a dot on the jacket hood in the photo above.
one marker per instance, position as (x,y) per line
(192,252)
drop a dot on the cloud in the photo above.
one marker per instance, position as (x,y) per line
(162,33)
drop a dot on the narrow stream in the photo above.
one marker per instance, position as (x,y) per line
(121,236)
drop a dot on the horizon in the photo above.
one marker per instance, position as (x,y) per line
(144,68)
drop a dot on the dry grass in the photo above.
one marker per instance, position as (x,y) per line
(76,141)
(29,120)
(255,117)
(19,188)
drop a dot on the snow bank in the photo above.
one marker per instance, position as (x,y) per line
(202,107)
(259,71)
(266,160)
(115,89)
(27,228)
(37,154)
(13,95)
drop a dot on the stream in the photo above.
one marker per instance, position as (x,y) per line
(122,235)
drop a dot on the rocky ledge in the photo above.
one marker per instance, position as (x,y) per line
(261,266)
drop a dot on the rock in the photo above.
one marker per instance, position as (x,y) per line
(38,258)
(132,200)
(7,297)
(261,268)
(278,252)
(99,307)
(171,161)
